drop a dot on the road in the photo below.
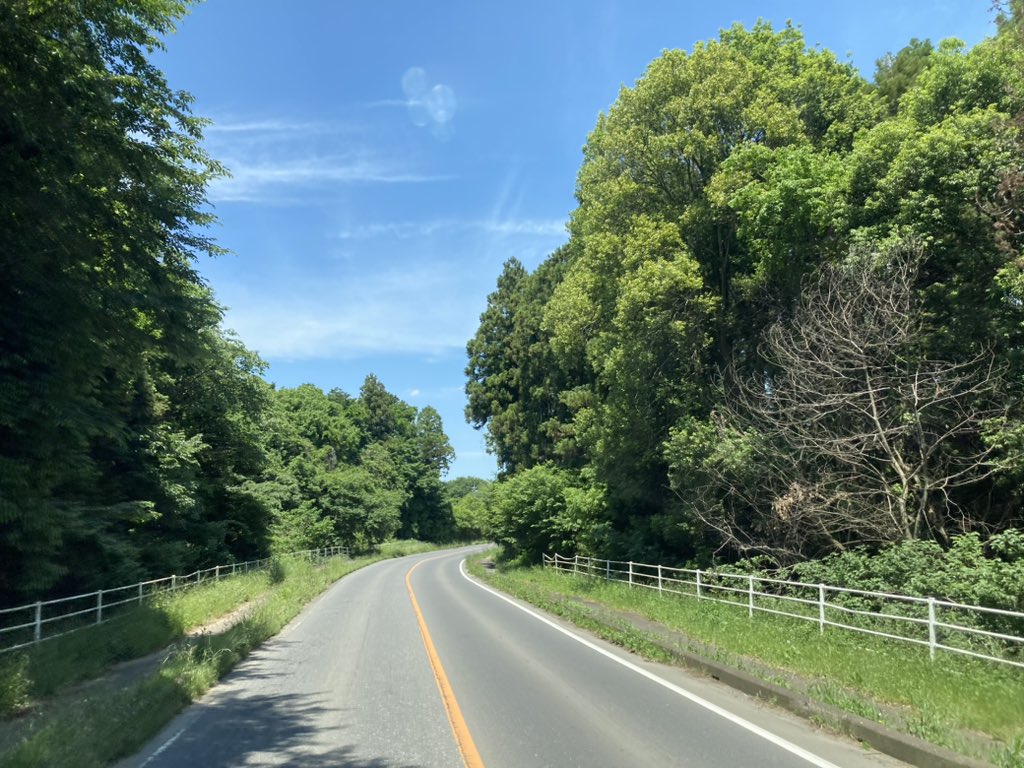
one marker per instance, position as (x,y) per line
(352,682)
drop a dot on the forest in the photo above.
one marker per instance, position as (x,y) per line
(788,322)
(137,437)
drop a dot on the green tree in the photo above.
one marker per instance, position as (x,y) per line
(704,196)
(354,471)
(470,501)
(515,382)
(710,193)
(380,414)
(895,74)
(101,219)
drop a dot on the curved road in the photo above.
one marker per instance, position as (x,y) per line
(351,683)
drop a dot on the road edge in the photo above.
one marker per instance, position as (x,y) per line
(902,746)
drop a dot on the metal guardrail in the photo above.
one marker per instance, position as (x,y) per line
(992,634)
(33,623)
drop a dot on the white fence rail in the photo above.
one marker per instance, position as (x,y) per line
(985,633)
(30,624)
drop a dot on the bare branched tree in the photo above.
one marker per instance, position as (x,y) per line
(858,435)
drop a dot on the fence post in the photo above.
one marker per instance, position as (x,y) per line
(698,584)
(750,594)
(38,631)
(174,582)
(607,570)
(233,569)
(99,607)
(631,573)
(216,573)
(140,593)
(931,628)
(659,579)
(821,609)
(575,565)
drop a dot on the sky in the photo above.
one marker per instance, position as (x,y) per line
(387,158)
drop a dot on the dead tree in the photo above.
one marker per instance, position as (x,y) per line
(859,435)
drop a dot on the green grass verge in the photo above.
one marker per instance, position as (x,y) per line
(955,701)
(87,653)
(403,547)
(117,723)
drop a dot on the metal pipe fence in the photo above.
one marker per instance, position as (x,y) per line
(993,634)
(30,624)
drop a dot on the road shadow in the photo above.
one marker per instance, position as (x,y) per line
(293,729)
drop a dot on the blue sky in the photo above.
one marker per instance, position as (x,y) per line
(388,157)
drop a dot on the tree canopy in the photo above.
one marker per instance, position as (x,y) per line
(714,197)
(137,438)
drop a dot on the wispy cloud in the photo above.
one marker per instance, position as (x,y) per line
(267,126)
(404,230)
(403,311)
(268,179)
(277,160)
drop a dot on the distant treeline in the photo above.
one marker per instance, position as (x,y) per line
(789,319)
(137,438)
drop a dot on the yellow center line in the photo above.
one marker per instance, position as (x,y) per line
(463,738)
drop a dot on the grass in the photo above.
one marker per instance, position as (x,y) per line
(87,653)
(403,547)
(949,701)
(99,727)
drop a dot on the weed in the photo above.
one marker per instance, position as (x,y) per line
(275,571)
(403,547)
(1012,756)
(14,683)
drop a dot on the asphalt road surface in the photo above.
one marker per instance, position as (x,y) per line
(410,662)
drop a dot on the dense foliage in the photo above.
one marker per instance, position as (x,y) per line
(789,317)
(354,471)
(136,438)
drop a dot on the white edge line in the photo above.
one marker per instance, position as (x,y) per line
(163,746)
(789,746)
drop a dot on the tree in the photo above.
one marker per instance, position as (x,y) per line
(354,471)
(857,435)
(380,414)
(709,195)
(101,219)
(470,499)
(1006,205)
(426,513)
(515,382)
(705,194)
(895,74)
